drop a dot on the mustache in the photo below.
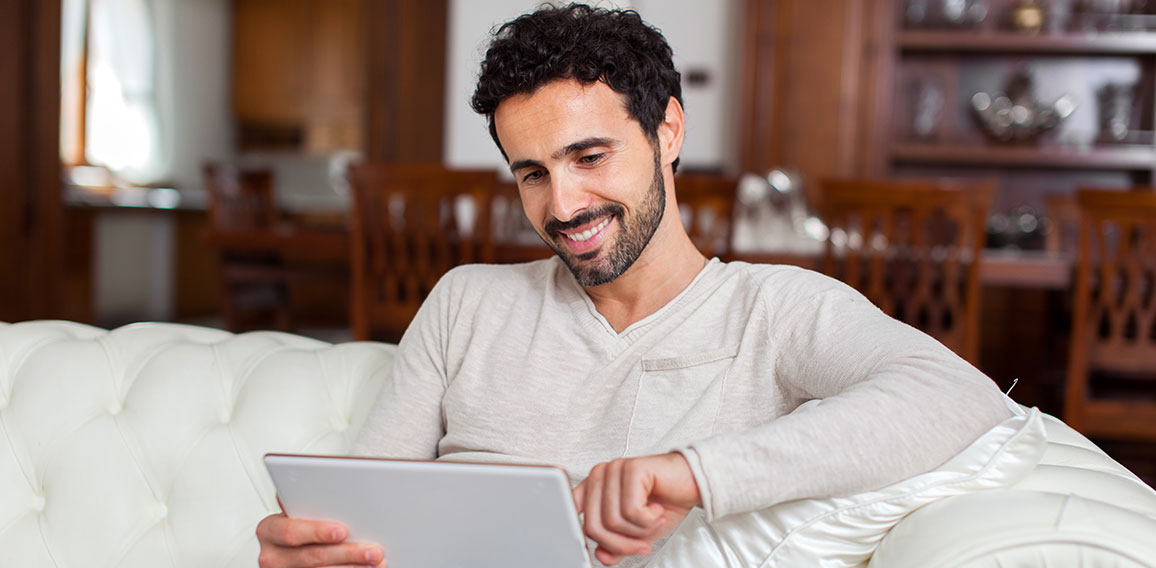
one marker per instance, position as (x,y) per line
(554,226)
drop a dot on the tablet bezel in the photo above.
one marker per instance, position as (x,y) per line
(455,513)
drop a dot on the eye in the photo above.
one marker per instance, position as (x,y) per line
(532,176)
(590,159)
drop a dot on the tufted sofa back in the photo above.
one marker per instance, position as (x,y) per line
(141,446)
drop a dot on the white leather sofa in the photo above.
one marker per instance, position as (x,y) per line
(141,447)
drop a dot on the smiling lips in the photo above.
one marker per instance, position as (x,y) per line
(585,241)
(585,235)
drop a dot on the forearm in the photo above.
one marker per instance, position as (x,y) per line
(846,444)
(885,402)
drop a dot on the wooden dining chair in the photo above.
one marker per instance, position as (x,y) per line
(411,224)
(243,201)
(1111,387)
(260,255)
(913,248)
(707,205)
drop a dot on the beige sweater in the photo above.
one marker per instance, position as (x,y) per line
(775,382)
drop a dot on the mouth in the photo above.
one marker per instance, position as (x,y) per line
(586,241)
(588,234)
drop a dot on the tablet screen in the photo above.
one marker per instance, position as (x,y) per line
(438,514)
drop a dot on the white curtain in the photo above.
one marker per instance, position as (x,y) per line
(123,129)
(71,56)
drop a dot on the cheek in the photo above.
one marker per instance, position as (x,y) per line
(534,207)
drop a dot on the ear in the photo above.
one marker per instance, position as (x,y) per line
(671,131)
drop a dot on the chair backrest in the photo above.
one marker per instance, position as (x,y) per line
(240,198)
(411,224)
(913,248)
(707,205)
(1114,322)
(1063,237)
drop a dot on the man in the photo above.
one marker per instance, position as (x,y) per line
(660,380)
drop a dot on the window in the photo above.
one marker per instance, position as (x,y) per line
(109,108)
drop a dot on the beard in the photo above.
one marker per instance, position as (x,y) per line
(595,268)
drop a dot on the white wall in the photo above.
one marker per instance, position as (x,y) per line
(132,249)
(194,44)
(702,34)
(133,265)
(705,36)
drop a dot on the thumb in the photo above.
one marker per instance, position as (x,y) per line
(579,495)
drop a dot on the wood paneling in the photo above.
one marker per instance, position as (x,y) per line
(406,42)
(318,75)
(269,46)
(337,111)
(13,238)
(299,74)
(31,213)
(806,65)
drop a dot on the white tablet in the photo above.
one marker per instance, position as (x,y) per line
(439,514)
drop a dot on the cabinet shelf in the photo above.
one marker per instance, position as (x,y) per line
(1100,43)
(1137,157)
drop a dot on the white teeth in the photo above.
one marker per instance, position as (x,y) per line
(585,235)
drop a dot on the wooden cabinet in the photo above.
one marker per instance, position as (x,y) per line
(299,74)
(927,125)
(807,86)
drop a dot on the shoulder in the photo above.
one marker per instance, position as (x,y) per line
(474,295)
(479,282)
(791,291)
(501,275)
(784,279)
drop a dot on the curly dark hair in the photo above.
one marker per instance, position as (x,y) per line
(589,45)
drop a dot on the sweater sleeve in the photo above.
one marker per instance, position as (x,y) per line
(883,402)
(406,421)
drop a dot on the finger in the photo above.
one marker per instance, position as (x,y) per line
(606,558)
(358,555)
(591,499)
(281,530)
(613,505)
(613,543)
(637,486)
(579,495)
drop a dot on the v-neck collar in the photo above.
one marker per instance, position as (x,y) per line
(599,328)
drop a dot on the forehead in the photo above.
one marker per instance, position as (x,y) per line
(560,113)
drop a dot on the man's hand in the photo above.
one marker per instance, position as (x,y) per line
(630,502)
(296,543)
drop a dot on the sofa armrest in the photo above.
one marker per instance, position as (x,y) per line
(1077,508)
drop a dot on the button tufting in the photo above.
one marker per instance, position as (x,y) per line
(37,503)
(115,407)
(162,512)
(226,417)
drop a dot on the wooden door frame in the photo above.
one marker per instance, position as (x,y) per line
(32,213)
(406,79)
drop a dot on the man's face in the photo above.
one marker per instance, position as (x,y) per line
(589,178)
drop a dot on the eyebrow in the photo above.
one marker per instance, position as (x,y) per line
(566,151)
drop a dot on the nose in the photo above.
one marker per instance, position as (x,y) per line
(567,197)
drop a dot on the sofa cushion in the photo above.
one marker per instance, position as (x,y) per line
(845,531)
(142,446)
(1078,507)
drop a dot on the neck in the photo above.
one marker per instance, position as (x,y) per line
(665,268)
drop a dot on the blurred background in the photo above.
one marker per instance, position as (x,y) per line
(112,109)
